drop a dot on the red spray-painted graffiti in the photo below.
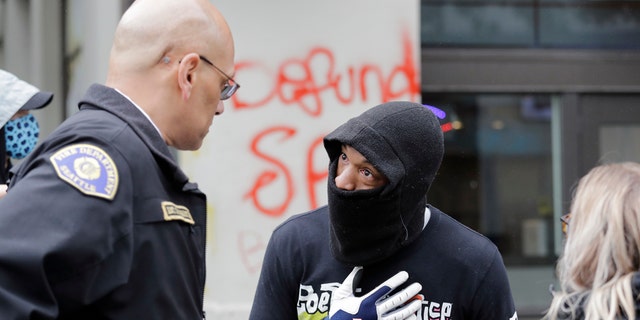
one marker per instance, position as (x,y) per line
(269,175)
(306,91)
(314,177)
(251,245)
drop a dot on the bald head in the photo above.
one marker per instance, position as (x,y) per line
(151,30)
(157,61)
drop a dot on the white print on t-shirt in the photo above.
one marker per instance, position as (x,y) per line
(312,301)
(435,310)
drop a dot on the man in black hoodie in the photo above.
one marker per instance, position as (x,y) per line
(378,224)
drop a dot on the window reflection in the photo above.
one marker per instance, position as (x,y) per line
(603,24)
(496,176)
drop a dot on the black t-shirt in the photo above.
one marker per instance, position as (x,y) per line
(461,272)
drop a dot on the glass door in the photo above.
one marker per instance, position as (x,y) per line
(598,128)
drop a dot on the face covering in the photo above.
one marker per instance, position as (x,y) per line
(366,226)
(21,136)
(404,141)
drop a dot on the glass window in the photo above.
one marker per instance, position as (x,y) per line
(603,24)
(496,175)
(619,143)
(476,24)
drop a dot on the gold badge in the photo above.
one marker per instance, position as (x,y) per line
(88,169)
(173,211)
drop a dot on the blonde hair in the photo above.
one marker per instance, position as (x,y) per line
(601,252)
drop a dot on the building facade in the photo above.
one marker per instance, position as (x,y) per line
(536,92)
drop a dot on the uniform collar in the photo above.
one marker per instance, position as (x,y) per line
(108,99)
(140,109)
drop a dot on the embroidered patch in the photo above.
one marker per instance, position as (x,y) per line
(173,211)
(87,168)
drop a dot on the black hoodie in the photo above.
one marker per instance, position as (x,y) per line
(404,141)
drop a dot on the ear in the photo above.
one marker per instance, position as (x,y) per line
(186,73)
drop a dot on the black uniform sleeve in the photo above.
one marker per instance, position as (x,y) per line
(493,299)
(276,293)
(59,247)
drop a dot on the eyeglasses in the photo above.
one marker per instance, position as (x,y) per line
(229,88)
(565,222)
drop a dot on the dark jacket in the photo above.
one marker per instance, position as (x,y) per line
(100,223)
(579,312)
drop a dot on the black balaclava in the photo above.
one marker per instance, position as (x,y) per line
(404,141)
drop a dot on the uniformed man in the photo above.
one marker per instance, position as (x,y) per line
(99,222)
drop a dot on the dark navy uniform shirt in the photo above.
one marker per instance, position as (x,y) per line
(100,223)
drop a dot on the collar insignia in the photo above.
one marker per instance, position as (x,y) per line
(88,169)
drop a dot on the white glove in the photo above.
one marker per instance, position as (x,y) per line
(375,305)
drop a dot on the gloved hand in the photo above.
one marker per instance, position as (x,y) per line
(372,306)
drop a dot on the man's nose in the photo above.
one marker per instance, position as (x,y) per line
(220,108)
(345,180)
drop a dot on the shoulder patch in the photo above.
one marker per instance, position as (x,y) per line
(88,169)
(173,211)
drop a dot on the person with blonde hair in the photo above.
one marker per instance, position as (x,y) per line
(598,270)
